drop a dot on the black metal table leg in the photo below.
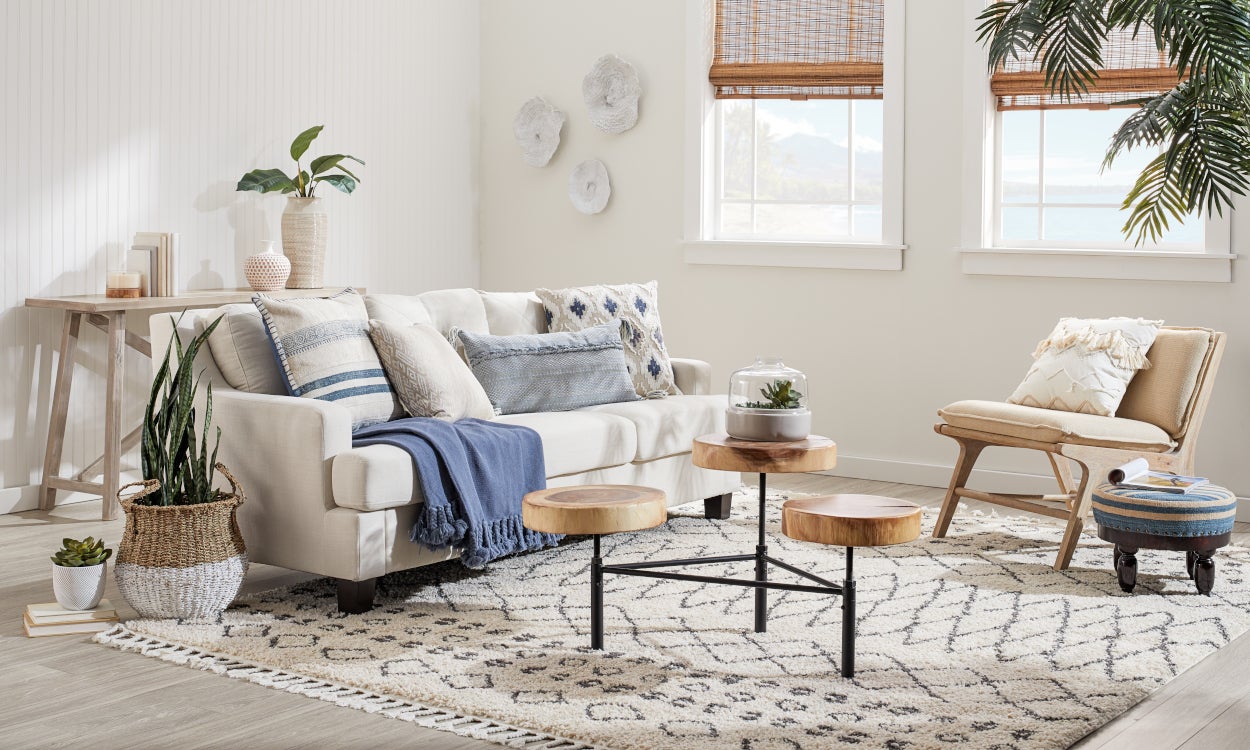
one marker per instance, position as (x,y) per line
(596,599)
(848,615)
(761,567)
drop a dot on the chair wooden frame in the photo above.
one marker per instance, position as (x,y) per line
(1072,504)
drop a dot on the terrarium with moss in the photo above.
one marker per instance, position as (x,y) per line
(768,401)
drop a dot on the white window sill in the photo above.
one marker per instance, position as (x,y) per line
(1140,265)
(860,257)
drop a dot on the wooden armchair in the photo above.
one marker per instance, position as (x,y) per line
(1158,420)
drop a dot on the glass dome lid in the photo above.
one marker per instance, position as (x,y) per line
(768,386)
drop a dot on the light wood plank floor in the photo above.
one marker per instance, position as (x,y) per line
(66,691)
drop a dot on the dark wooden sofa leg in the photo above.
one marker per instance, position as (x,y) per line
(356,597)
(718,507)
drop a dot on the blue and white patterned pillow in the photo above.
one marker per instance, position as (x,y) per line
(635,308)
(550,371)
(324,352)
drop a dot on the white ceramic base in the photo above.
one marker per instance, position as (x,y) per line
(768,425)
(79,588)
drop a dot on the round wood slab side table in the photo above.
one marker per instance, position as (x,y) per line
(594,509)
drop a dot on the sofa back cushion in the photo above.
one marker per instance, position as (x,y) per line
(242,351)
(444,309)
(514,313)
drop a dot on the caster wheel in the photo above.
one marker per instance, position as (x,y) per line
(1126,572)
(1204,575)
(1191,559)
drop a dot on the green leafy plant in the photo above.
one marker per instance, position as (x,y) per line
(305,181)
(780,395)
(1201,124)
(80,554)
(173,451)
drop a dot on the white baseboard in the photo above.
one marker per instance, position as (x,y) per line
(939,475)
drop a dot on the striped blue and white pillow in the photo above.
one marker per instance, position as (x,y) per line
(324,351)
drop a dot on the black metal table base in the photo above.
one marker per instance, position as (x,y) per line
(761,584)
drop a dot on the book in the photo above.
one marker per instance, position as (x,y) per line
(142,258)
(67,628)
(1136,475)
(161,269)
(52,613)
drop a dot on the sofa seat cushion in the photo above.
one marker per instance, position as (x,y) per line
(1052,426)
(577,441)
(377,477)
(668,426)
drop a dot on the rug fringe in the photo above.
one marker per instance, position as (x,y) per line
(464,725)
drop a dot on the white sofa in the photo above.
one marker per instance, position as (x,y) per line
(316,504)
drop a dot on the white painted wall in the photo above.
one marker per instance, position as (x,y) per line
(882,350)
(134,115)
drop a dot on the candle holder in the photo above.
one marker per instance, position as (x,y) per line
(123,284)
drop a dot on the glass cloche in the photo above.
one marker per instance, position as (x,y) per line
(768,401)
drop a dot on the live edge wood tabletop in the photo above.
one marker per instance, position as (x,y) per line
(109,315)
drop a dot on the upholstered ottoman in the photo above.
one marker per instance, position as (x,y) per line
(1196,523)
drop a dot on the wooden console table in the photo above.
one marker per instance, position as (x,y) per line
(109,315)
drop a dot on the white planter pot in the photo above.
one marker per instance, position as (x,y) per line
(304,228)
(79,588)
(768,425)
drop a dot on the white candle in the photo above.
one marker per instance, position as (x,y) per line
(124,280)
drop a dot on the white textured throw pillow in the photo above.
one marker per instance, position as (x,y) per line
(427,374)
(635,307)
(1085,365)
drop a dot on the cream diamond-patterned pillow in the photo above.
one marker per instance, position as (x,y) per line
(429,377)
(1085,365)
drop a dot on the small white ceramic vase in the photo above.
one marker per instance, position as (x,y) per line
(267,270)
(304,228)
(79,588)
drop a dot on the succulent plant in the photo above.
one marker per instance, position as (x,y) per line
(780,395)
(79,554)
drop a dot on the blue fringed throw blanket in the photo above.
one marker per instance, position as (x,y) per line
(473,474)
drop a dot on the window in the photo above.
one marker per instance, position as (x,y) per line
(1037,200)
(798,136)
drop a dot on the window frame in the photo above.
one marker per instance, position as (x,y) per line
(980,255)
(702,166)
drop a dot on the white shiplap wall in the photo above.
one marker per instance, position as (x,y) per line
(134,115)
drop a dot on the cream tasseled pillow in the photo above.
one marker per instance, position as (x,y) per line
(427,374)
(1085,365)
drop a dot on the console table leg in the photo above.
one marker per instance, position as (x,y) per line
(761,566)
(596,599)
(848,616)
(60,408)
(113,413)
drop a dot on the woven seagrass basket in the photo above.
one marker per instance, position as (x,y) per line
(181,561)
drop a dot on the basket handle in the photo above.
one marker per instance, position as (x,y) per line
(149,486)
(235,489)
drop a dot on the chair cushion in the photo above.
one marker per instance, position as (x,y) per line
(1051,426)
(242,351)
(376,477)
(1203,511)
(1162,394)
(668,426)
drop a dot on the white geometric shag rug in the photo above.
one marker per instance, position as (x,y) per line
(970,641)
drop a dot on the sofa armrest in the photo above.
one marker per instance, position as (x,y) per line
(693,376)
(281,448)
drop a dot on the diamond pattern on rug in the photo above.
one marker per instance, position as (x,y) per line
(970,641)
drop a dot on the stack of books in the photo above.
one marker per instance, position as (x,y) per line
(155,256)
(53,619)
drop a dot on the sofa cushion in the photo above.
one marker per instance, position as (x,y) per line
(376,477)
(667,427)
(428,376)
(242,351)
(444,309)
(512,313)
(550,371)
(1053,426)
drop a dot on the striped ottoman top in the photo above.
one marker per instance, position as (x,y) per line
(1203,511)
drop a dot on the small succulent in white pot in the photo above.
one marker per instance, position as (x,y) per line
(78,572)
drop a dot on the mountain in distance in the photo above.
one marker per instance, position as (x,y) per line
(808,156)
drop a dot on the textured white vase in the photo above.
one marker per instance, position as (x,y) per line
(304,227)
(79,588)
(267,270)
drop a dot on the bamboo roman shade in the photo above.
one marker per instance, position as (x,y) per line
(798,49)
(1133,68)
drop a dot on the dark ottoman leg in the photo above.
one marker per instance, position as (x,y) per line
(1204,572)
(1191,560)
(1126,567)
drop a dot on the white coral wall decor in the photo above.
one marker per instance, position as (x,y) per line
(537,127)
(588,186)
(611,92)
